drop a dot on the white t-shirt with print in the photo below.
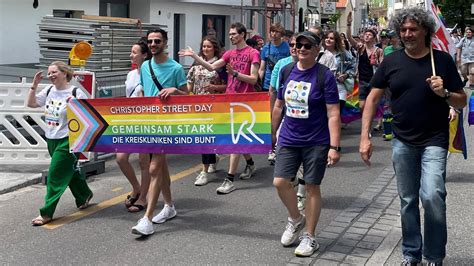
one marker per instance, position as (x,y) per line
(55,104)
(132,84)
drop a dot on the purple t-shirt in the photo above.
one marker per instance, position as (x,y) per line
(306,121)
(241,60)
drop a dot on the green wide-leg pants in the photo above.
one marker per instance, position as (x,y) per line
(63,172)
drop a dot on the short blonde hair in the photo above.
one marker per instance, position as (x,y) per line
(63,67)
(278,28)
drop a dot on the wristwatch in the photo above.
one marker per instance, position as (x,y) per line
(336,148)
(235,74)
(447,94)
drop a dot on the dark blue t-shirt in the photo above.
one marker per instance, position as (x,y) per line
(306,121)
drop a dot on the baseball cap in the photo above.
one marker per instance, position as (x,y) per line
(391,34)
(311,37)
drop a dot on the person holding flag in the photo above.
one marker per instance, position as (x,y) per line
(422,92)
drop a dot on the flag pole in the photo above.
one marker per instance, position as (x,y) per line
(432,60)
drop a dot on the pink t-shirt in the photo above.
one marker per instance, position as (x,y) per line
(241,60)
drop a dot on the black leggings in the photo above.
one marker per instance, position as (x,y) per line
(208,158)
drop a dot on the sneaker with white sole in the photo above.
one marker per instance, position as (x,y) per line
(272,157)
(144,227)
(201,179)
(167,213)
(300,173)
(213,166)
(248,172)
(226,187)
(307,246)
(301,201)
(292,231)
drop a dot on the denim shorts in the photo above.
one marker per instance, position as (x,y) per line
(313,158)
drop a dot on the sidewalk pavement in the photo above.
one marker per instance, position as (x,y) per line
(13,177)
(364,233)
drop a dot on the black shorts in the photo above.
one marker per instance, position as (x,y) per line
(364,90)
(313,158)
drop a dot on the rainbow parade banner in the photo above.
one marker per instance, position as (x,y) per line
(200,124)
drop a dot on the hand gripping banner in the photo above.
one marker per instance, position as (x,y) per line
(200,124)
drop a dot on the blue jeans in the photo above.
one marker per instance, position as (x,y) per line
(421,173)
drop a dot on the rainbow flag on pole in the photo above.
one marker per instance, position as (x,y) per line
(470,119)
(457,139)
(202,124)
(440,16)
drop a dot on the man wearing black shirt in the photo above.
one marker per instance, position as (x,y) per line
(420,104)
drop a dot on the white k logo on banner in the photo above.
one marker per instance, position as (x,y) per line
(240,132)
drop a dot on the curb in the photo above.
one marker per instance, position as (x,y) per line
(23,182)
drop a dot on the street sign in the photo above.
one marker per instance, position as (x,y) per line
(329,7)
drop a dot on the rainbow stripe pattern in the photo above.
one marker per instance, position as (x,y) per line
(198,124)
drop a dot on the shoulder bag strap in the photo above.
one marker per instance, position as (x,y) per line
(155,80)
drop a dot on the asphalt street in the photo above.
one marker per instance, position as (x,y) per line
(243,227)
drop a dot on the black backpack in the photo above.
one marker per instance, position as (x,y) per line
(285,73)
(74,91)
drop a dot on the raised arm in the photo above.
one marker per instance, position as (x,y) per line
(211,67)
(31,100)
(351,40)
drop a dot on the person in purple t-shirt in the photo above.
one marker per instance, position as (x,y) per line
(242,66)
(309,135)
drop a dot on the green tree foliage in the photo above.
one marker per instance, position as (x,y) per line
(456,12)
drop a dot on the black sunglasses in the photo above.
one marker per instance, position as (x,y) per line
(306,46)
(292,44)
(157,41)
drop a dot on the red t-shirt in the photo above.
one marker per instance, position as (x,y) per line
(241,60)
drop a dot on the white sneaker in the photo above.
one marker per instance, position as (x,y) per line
(272,157)
(307,246)
(226,187)
(300,173)
(201,179)
(301,201)
(167,213)
(144,227)
(213,167)
(248,172)
(292,231)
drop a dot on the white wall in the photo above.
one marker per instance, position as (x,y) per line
(219,2)
(19,26)
(140,10)
(193,20)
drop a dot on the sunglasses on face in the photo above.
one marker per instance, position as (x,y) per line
(306,46)
(292,44)
(157,41)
